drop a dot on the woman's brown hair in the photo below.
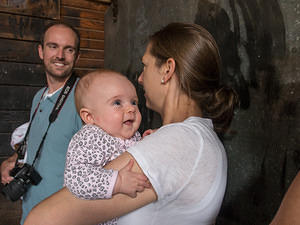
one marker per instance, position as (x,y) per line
(198,67)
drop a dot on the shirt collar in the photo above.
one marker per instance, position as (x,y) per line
(47,95)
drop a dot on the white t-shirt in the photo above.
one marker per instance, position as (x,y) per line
(187,167)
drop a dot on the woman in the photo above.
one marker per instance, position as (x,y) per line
(184,160)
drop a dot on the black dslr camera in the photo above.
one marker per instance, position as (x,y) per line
(23,177)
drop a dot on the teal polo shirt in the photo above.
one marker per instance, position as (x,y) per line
(51,162)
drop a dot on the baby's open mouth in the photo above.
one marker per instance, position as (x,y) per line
(128,122)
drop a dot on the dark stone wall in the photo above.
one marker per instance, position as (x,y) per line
(260,46)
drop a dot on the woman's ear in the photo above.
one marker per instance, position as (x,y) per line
(86,116)
(169,69)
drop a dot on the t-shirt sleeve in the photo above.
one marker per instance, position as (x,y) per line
(168,158)
(84,174)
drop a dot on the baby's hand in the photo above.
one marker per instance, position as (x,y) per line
(129,182)
(148,132)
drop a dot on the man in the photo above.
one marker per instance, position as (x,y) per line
(59,50)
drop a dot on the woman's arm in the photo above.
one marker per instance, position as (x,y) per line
(288,213)
(63,208)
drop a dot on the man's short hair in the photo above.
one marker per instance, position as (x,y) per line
(59,23)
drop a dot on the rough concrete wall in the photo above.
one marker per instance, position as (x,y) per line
(260,47)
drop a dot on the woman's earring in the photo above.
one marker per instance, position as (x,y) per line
(162,81)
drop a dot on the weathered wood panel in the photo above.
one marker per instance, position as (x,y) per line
(91,53)
(90,63)
(41,8)
(102,1)
(26,52)
(92,44)
(9,211)
(82,71)
(19,51)
(17,97)
(9,121)
(21,27)
(85,4)
(82,13)
(5,147)
(84,23)
(91,34)
(21,74)
(12,119)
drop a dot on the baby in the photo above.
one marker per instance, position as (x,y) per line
(108,105)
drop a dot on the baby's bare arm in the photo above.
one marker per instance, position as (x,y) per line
(129,182)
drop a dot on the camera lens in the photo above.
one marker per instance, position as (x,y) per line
(23,178)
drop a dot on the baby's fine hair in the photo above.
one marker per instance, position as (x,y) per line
(85,82)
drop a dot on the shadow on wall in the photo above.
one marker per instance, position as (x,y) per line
(251,38)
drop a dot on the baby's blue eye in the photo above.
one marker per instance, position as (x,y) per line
(134,102)
(117,102)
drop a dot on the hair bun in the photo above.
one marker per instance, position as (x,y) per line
(222,110)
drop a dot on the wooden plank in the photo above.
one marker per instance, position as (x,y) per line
(90,63)
(82,13)
(41,8)
(88,34)
(81,72)
(21,27)
(19,51)
(85,4)
(10,120)
(10,212)
(102,1)
(92,44)
(91,54)
(84,23)
(5,148)
(10,50)
(17,97)
(21,74)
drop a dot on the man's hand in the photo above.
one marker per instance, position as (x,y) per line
(129,182)
(6,167)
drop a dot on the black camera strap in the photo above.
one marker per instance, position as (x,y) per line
(56,109)
(22,146)
(52,117)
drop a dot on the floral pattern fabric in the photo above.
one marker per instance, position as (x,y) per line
(90,149)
